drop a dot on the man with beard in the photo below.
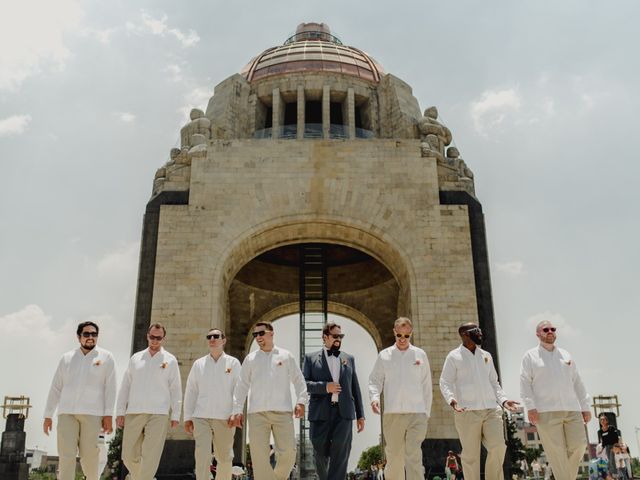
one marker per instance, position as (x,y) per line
(150,390)
(84,391)
(402,375)
(469,383)
(266,377)
(557,402)
(335,401)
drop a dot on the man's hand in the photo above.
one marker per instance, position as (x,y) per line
(586,416)
(188,426)
(298,411)
(107,424)
(174,423)
(454,405)
(360,425)
(47,426)
(120,421)
(333,387)
(235,421)
(511,405)
(533,416)
(375,406)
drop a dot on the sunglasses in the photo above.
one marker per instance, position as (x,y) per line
(258,334)
(157,338)
(474,330)
(89,334)
(214,335)
(336,336)
(401,335)
(549,329)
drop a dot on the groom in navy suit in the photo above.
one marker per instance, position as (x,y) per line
(335,402)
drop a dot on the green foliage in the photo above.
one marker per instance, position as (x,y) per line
(515,448)
(635,467)
(532,453)
(39,474)
(370,456)
(115,452)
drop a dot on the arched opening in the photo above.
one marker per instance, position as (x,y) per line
(358,342)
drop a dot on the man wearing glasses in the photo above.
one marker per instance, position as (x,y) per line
(208,403)
(150,390)
(469,383)
(403,375)
(557,402)
(84,391)
(266,377)
(328,373)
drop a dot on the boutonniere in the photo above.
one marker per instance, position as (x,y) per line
(228,370)
(344,362)
(486,359)
(568,362)
(97,363)
(279,363)
(164,365)
(418,362)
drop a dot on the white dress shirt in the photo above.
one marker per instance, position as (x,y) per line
(471,380)
(83,384)
(266,377)
(334,367)
(549,382)
(210,386)
(404,376)
(151,385)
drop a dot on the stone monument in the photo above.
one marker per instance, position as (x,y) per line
(13,463)
(314,146)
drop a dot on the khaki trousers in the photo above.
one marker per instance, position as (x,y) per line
(261,425)
(404,434)
(78,433)
(476,427)
(142,443)
(564,440)
(205,432)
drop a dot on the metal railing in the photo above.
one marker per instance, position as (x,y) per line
(313,130)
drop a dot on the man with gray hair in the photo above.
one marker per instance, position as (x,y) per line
(557,402)
(403,375)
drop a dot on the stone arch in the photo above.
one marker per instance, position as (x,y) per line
(306,228)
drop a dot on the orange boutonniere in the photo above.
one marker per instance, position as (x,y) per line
(97,363)
(228,370)
(279,363)
(568,362)
(344,362)
(164,365)
(486,359)
(418,362)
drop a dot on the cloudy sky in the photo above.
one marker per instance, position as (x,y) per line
(541,97)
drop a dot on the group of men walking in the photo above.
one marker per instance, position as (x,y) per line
(400,389)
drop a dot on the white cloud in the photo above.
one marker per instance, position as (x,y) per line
(197,97)
(512,269)
(32,38)
(160,27)
(490,111)
(14,125)
(563,326)
(123,261)
(126,117)
(101,35)
(175,72)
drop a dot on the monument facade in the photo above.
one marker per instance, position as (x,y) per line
(313,143)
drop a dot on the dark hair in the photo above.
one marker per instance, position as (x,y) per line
(158,325)
(86,324)
(266,325)
(326,330)
(218,329)
(466,326)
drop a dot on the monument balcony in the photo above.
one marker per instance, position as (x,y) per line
(311,130)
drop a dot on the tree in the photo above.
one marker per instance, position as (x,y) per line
(370,456)
(515,448)
(532,453)
(114,462)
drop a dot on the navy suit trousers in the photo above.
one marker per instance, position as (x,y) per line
(331,441)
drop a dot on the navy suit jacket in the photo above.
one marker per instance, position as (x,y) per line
(317,374)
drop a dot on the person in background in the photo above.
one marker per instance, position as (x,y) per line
(451,465)
(608,436)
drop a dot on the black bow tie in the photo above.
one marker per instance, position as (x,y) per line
(333,352)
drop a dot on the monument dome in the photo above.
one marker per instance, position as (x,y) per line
(313,49)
